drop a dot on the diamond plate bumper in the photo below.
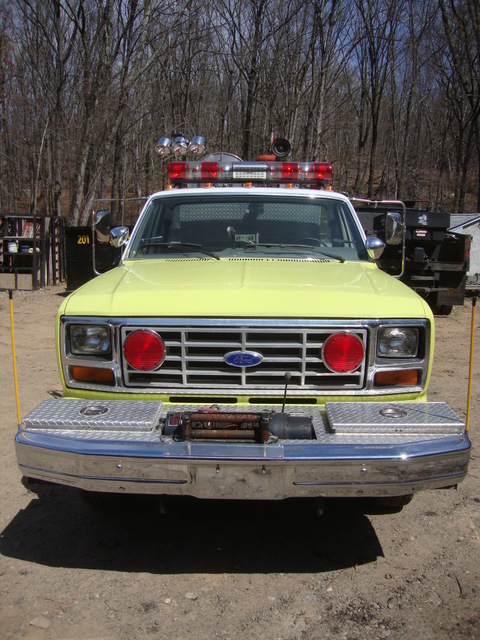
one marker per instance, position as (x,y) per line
(360,449)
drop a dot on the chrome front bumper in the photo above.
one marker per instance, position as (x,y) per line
(360,449)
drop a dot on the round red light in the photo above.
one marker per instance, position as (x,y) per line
(343,352)
(144,350)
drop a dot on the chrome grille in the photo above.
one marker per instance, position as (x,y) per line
(195,359)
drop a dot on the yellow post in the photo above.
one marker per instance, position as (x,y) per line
(470,370)
(15,378)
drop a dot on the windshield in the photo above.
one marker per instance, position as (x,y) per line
(219,226)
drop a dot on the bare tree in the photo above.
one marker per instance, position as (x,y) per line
(385,89)
(117,48)
(410,92)
(377,23)
(8,191)
(461,24)
(48,38)
(250,28)
(329,49)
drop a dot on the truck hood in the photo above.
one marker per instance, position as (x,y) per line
(260,288)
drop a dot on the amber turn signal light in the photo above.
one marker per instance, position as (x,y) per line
(93,375)
(399,378)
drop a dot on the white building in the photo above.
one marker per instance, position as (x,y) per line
(469,224)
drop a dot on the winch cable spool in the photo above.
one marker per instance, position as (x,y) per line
(15,377)
(470,369)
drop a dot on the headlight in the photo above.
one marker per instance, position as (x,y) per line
(397,342)
(89,339)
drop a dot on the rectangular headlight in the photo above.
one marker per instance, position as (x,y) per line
(397,342)
(89,339)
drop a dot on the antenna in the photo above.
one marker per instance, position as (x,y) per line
(288,377)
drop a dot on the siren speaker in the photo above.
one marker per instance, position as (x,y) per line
(281,147)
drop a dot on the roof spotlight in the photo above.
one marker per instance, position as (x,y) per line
(197,145)
(163,146)
(180,146)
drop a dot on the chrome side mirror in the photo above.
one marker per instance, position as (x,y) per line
(374,247)
(101,222)
(394,228)
(119,236)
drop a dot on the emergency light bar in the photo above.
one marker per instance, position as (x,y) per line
(317,174)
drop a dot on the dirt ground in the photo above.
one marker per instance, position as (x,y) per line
(231,570)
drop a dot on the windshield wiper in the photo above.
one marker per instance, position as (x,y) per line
(254,245)
(159,242)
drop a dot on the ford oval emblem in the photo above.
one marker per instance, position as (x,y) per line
(243,358)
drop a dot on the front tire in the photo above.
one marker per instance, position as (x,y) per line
(392,503)
(101,500)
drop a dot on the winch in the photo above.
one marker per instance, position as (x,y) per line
(213,424)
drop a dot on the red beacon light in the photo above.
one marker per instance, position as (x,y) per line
(209,171)
(322,171)
(307,174)
(187,172)
(177,171)
(289,171)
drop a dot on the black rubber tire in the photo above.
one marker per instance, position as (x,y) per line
(439,309)
(445,310)
(393,503)
(101,499)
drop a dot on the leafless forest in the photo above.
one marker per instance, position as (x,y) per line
(386,90)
